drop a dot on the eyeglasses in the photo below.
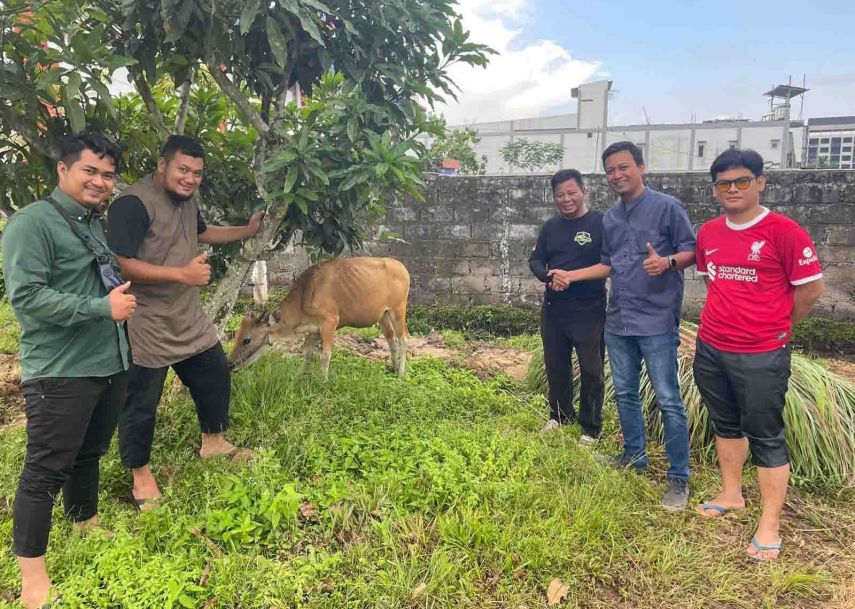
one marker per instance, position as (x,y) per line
(723,186)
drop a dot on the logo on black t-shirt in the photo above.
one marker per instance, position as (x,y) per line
(582,237)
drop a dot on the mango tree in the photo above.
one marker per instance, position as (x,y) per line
(324,167)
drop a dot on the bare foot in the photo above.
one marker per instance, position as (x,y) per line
(718,507)
(85,527)
(145,493)
(765,545)
(215,445)
(35,583)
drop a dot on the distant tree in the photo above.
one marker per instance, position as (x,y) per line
(458,144)
(531,156)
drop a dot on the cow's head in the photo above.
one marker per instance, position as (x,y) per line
(252,339)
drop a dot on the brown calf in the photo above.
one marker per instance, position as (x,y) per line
(356,292)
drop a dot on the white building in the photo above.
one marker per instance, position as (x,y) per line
(666,147)
(830,143)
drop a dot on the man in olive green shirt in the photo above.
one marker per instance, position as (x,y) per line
(73,352)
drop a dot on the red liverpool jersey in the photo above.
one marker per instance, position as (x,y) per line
(752,271)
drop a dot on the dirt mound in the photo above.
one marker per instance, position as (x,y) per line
(11,400)
(484,360)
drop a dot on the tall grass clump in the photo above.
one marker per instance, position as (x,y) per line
(819,413)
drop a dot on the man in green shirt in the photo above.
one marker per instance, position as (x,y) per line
(73,352)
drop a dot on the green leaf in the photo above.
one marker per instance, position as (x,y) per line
(104,94)
(248,15)
(310,28)
(72,87)
(46,79)
(278,44)
(290,178)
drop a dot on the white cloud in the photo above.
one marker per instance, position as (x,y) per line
(523,79)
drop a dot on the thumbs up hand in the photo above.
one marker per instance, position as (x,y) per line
(655,264)
(122,305)
(196,272)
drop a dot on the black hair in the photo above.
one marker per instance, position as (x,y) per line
(183,144)
(734,158)
(566,175)
(70,148)
(634,150)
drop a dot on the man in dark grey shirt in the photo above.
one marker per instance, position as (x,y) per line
(648,241)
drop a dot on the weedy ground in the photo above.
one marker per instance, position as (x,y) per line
(435,491)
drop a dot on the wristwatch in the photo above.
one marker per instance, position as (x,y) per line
(672,263)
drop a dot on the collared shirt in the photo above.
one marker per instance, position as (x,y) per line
(57,295)
(641,305)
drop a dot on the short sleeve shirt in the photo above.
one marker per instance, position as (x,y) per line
(641,305)
(752,271)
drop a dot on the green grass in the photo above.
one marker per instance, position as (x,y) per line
(9,329)
(439,478)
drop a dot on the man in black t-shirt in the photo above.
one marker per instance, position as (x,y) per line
(573,314)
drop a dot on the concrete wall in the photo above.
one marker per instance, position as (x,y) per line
(470,241)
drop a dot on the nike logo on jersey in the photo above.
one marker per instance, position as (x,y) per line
(712,251)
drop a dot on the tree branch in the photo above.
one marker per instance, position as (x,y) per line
(153,111)
(28,132)
(239,99)
(183,105)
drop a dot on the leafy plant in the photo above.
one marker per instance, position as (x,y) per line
(531,156)
(458,144)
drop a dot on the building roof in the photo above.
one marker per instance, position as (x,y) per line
(785,91)
(831,120)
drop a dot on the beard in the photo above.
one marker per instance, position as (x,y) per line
(177,198)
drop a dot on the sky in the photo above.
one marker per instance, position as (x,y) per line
(671,62)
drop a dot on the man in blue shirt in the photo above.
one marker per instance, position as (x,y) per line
(648,241)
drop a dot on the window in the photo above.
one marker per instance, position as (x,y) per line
(775,144)
(590,135)
(733,144)
(847,140)
(813,141)
(701,146)
(823,140)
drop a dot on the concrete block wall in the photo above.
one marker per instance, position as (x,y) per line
(469,242)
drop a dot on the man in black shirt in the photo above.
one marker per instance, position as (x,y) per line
(573,314)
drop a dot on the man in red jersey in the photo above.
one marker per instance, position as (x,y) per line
(763,276)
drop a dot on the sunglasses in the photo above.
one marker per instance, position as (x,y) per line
(723,186)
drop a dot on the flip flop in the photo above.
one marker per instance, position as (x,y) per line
(761,548)
(712,506)
(139,503)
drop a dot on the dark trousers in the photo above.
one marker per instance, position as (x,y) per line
(567,325)
(208,378)
(70,422)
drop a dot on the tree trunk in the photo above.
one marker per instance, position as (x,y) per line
(259,283)
(258,248)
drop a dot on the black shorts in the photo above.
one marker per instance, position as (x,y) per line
(745,395)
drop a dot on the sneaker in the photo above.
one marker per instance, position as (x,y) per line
(551,425)
(619,462)
(586,440)
(676,495)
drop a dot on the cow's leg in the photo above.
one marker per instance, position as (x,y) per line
(327,334)
(399,320)
(388,328)
(309,344)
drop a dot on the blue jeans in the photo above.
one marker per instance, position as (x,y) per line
(660,354)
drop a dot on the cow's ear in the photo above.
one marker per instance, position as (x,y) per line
(274,317)
(262,318)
